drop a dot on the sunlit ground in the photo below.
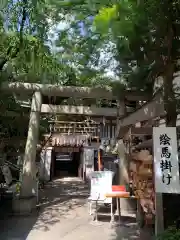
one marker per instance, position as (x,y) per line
(64,215)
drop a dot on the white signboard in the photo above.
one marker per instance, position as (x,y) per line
(166,166)
(101,183)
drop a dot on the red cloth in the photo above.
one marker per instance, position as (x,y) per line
(118,188)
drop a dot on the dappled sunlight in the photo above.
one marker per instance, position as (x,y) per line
(116,62)
(59,201)
(131,232)
(63,212)
(67,209)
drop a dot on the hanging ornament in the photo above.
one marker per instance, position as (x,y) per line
(104,121)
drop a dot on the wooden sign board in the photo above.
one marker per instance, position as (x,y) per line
(66,149)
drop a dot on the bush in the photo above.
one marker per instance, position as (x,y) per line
(172,233)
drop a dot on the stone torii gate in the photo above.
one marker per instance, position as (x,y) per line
(39,90)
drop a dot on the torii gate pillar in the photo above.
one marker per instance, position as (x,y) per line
(27,200)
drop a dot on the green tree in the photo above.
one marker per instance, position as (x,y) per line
(25,54)
(146,36)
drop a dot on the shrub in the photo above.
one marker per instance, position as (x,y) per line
(172,233)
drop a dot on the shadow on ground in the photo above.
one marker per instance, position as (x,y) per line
(59,199)
(62,214)
(129,230)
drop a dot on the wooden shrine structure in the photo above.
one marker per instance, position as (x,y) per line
(38,92)
(129,126)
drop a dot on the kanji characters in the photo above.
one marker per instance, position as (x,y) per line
(165,152)
(164,139)
(166,178)
(165,163)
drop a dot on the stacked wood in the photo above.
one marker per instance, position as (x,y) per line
(141,173)
(143,155)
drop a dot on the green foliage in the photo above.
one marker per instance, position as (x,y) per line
(143,32)
(104,18)
(30,53)
(170,234)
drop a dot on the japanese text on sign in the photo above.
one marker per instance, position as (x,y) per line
(165,163)
(166,166)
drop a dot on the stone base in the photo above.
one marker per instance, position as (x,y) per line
(24,206)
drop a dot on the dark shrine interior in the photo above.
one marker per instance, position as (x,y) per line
(66,168)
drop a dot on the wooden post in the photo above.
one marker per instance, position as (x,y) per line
(123,164)
(28,186)
(111,133)
(159,218)
(127,205)
(99,160)
(99,157)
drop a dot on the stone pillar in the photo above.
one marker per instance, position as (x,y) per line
(121,108)
(121,111)
(27,200)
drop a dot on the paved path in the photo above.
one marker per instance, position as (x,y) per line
(63,215)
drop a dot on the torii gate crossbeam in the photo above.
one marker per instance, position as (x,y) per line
(71,91)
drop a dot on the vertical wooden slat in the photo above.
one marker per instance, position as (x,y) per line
(110,129)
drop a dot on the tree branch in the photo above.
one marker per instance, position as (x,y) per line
(9,50)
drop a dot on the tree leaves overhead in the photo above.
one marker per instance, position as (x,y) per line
(35,47)
(145,33)
(32,51)
(24,38)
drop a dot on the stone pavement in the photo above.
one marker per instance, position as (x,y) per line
(63,215)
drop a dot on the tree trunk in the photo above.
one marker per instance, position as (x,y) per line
(170,103)
(28,186)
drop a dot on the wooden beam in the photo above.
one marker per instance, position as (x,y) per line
(97,121)
(140,131)
(150,110)
(137,131)
(26,116)
(70,127)
(77,132)
(72,123)
(69,91)
(145,144)
(78,110)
